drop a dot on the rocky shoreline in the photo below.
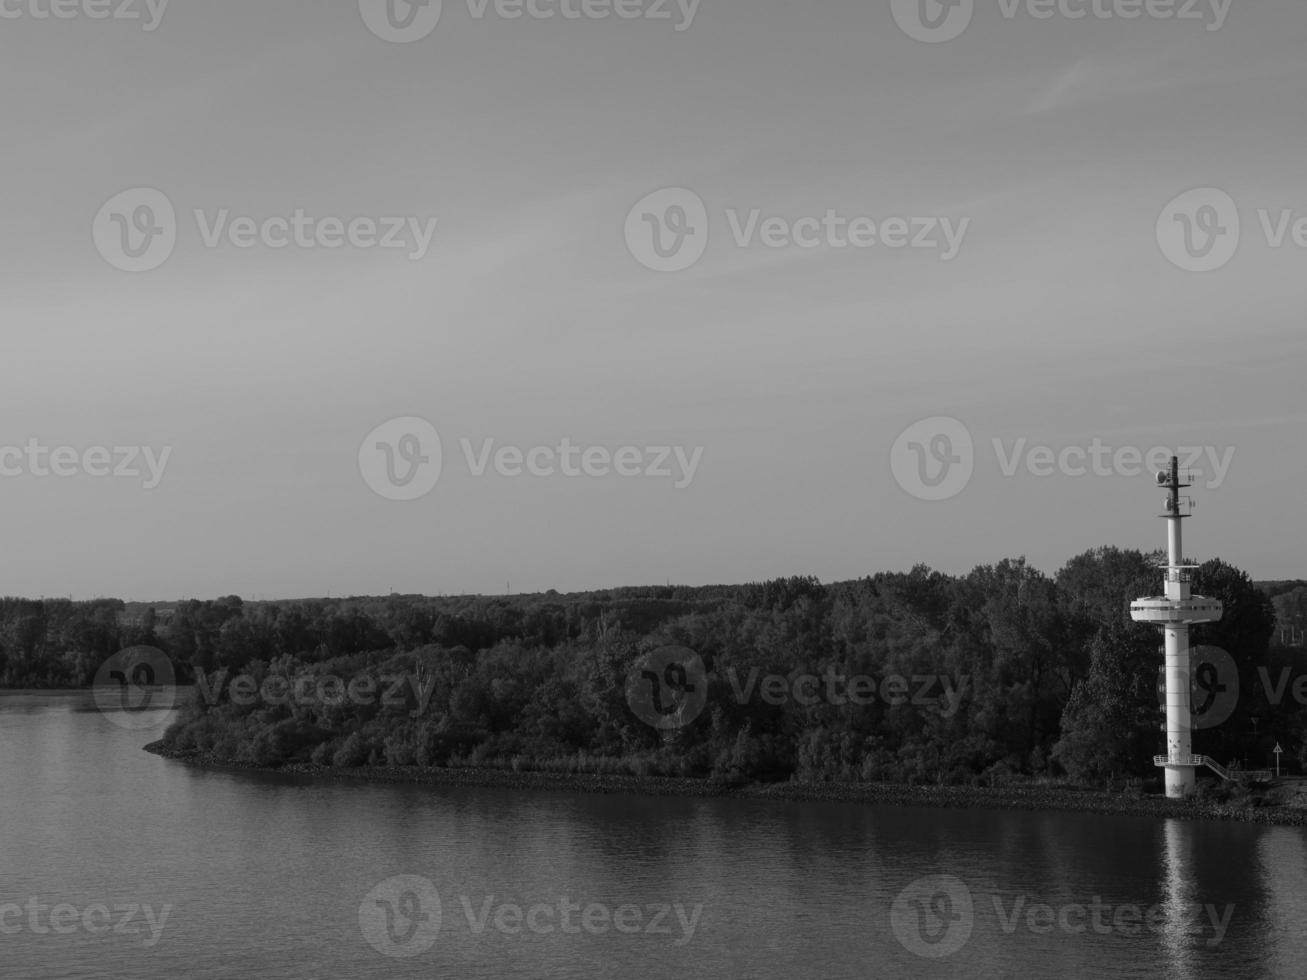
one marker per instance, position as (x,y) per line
(1033,797)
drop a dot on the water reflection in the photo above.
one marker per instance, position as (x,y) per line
(1179,895)
(1218,892)
(1280,933)
(266,875)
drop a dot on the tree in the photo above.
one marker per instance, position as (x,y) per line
(1111,724)
(1244,631)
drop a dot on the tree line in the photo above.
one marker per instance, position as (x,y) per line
(1050,677)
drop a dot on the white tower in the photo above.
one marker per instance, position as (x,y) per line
(1174,612)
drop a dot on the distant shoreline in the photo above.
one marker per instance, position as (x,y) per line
(890,794)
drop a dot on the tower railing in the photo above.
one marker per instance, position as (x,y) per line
(1229,775)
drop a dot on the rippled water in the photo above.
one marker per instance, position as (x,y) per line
(251,876)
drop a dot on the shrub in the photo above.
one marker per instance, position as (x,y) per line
(352,753)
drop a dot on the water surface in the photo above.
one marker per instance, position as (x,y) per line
(255,876)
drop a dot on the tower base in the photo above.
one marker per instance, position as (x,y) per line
(1180,782)
(1179,778)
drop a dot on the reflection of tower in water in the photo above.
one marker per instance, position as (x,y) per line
(1179,895)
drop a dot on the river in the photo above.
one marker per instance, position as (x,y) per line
(116,863)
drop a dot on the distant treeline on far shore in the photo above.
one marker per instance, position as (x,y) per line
(1048,676)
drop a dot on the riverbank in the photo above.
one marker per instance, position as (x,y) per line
(1032,797)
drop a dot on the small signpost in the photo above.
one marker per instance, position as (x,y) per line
(1277,750)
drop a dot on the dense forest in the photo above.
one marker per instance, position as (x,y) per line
(1050,677)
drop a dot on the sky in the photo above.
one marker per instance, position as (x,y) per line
(786,271)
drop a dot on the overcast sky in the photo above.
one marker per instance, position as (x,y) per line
(801,363)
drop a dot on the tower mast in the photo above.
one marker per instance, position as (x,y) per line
(1174,612)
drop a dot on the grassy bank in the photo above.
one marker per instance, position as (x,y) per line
(1017,797)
